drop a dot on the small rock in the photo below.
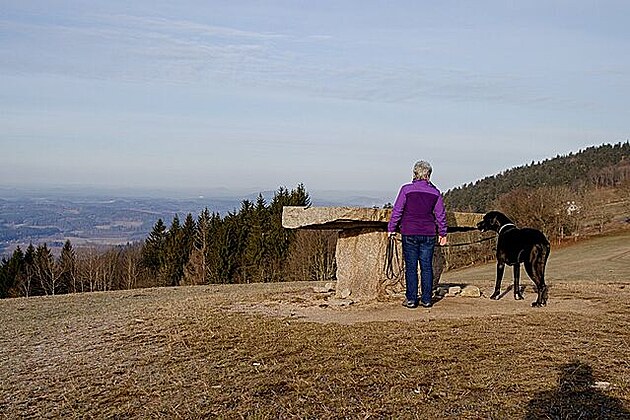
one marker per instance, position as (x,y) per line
(340,302)
(331,286)
(327,288)
(345,293)
(324,289)
(454,290)
(471,291)
(601,386)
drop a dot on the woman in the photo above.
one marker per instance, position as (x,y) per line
(419,214)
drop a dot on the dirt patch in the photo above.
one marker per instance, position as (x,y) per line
(583,278)
(274,351)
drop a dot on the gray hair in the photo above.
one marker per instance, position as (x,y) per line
(422,170)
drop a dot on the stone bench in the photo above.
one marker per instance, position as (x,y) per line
(362,243)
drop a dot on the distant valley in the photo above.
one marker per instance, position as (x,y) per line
(88,221)
(106,218)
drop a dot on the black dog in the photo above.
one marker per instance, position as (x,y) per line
(516,246)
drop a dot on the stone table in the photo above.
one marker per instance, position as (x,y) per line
(362,243)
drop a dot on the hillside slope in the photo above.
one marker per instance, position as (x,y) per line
(597,166)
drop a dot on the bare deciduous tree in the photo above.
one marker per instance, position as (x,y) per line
(312,256)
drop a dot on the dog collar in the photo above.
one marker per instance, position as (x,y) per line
(507,224)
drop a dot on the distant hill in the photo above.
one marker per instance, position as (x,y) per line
(605,165)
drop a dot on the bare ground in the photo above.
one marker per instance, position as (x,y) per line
(283,351)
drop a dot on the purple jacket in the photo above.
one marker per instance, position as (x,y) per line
(419,210)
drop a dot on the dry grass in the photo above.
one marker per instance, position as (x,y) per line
(198,352)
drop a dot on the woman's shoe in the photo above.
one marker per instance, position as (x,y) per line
(410,304)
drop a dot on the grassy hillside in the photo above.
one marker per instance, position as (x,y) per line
(598,166)
(267,351)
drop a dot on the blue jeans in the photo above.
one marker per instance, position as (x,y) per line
(418,248)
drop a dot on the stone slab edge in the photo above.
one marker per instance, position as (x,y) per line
(294,217)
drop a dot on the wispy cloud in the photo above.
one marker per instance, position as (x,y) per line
(145,48)
(183,27)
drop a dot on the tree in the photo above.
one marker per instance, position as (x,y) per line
(178,246)
(256,250)
(197,270)
(46,271)
(67,268)
(153,251)
(216,235)
(312,256)
(130,257)
(227,241)
(11,271)
(26,281)
(188,235)
(278,239)
(541,208)
(171,272)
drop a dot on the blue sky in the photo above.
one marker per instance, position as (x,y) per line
(338,95)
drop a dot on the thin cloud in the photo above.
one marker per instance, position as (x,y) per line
(187,28)
(139,48)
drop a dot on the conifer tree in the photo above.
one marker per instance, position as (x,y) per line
(216,235)
(11,271)
(227,242)
(278,239)
(172,270)
(188,234)
(26,283)
(255,250)
(197,270)
(153,251)
(67,267)
(45,271)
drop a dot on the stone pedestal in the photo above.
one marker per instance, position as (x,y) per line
(360,258)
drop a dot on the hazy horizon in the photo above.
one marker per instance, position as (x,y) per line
(191,192)
(318,197)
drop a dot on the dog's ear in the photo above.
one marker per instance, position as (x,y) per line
(496,223)
(486,222)
(490,221)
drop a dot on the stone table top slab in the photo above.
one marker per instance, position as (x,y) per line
(360,217)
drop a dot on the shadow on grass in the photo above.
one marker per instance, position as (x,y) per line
(576,397)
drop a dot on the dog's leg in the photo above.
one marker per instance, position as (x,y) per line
(497,286)
(539,272)
(517,277)
(535,268)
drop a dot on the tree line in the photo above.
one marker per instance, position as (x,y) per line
(594,167)
(246,245)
